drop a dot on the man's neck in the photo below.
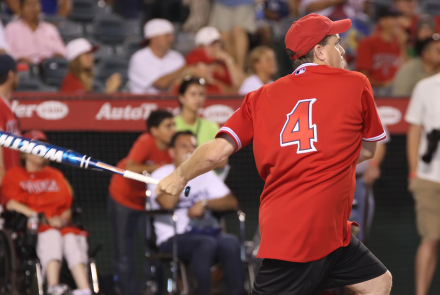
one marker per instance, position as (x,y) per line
(163,146)
(189,117)
(33,24)
(159,53)
(428,67)
(32,168)
(5,92)
(265,78)
(386,36)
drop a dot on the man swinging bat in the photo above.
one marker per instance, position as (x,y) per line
(309,130)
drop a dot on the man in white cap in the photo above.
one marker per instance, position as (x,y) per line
(222,67)
(156,68)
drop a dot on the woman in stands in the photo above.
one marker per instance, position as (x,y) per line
(36,188)
(263,68)
(79,79)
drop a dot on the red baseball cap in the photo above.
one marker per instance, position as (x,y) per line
(36,135)
(309,30)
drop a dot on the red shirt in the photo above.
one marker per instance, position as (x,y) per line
(45,191)
(379,58)
(131,193)
(199,55)
(71,83)
(307,130)
(8,123)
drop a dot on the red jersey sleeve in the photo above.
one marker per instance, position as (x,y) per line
(372,129)
(240,126)
(364,56)
(140,150)
(11,189)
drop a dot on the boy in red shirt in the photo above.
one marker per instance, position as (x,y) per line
(380,55)
(309,130)
(127,197)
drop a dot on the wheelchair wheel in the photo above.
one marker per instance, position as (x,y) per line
(8,264)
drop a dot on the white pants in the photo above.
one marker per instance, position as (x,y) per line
(53,246)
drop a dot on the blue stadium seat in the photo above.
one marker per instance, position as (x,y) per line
(130,46)
(5,18)
(70,30)
(109,65)
(98,86)
(53,70)
(108,29)
(431,7)
(83,10)
(27,84)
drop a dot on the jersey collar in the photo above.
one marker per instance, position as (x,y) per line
(303,66)
(7,102)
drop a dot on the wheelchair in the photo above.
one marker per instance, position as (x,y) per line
(20,268)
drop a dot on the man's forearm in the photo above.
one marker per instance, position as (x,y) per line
(139,168)
(207,157)
(413,143)
(165,82)
(13,205)
(228,202)
(381,150)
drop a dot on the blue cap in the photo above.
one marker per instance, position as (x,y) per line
(7,63)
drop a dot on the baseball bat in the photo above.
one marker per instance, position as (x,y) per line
(69,157)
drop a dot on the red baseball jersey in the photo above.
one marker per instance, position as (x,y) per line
(8,123)
(307,130)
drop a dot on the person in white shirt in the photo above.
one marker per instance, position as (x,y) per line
(199,236)
(424,175)
(263,66)
(157,67)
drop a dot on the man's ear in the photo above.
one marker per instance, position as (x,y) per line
(171,153)
(153,131)
(319,55)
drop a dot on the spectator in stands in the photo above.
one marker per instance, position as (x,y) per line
(36,188)
(79,79)
(263,67)
(333,9)
(222,70)
(424,177)
(427,64)
(8,121)
(199,236)
(409,10)
(127,197)
(234,19)
(32,40)
(4,46)
(380,55)
(191,100)
(271,16)
(156,68)
(49,7)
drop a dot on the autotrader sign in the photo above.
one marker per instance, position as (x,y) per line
(54,112)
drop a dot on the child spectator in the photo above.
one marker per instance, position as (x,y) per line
(32,40)
(222,70)
(234,19)
(79,79)
(36,188)
(263,66)
(127,197)
(380,55)
(427,64)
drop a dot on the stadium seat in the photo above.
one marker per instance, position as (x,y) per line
(129,47)
(133,28)
(184,42)
(103,51)
(109,65)
(53,70)
(108,29)
(98,87)
(5,18)
(27,84)
(431,7)
(83,10)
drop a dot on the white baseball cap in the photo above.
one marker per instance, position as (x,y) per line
(77,47)
(157,27)
(207,36)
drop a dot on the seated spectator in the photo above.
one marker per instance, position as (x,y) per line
(272,15)
(155,68)
(234,19)
(191,100)
(79,78)
(409,16)
(36,188)
(4,46)
(199,236)
(427,64)
(49,7)
(32,40)
(380,55)
(425,28)
(222,70)
(263,65)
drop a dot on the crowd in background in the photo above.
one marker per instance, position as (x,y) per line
(235,46)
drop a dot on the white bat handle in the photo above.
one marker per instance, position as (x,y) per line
(140,177)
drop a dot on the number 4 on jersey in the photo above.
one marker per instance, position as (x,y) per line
(299,129)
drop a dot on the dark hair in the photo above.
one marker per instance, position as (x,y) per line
(188,81)
(157,117)
(421,46)
(3,78)
(178,134)
(309,56)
